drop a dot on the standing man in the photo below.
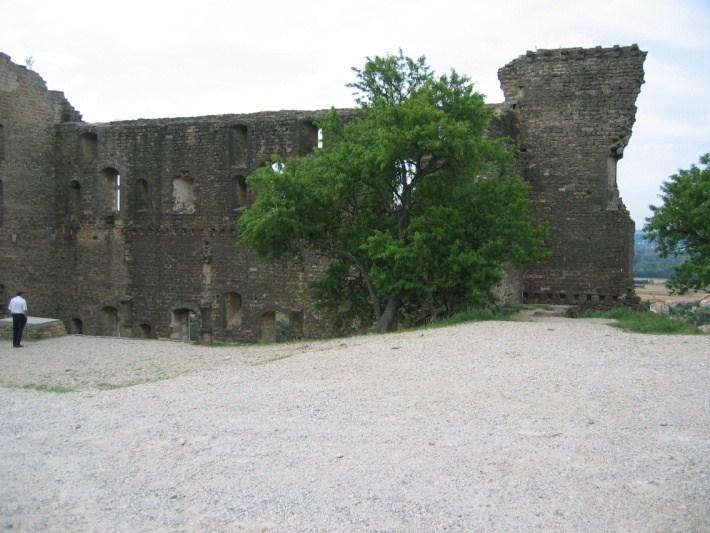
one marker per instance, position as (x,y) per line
(18,308)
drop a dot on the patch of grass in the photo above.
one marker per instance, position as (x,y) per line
(644,322)
(476,315)
(111,386)
(58,389)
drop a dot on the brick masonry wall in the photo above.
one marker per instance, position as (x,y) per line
(28,114)
(575,109)
(150,258)
(131,256)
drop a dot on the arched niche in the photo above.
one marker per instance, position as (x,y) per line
(240,191)
(233,310)
(76,326)
(141,196)
(108,322)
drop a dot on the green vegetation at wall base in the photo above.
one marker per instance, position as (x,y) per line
(477,315)
(645,322)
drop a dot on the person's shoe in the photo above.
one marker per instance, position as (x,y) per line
(18,346)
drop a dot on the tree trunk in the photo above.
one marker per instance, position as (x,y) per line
(387,321)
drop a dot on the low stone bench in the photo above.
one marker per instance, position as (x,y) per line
(36,328)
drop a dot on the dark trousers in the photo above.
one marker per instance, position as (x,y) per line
(18,325)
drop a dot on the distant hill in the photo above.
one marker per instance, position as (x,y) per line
(647,262)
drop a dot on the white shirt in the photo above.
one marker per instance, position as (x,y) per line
(18,305)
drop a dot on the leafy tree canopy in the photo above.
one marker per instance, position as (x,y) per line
(415,209)
(682,225)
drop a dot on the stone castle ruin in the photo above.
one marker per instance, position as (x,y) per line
(131,228)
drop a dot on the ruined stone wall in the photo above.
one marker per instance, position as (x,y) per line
(575,109)
(132,228)
(165,242)
(28,220)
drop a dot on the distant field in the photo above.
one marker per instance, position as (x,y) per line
(654,292)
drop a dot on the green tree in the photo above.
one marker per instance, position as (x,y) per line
(415,209)
(682,225)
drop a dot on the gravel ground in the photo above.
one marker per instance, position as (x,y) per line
(564,425)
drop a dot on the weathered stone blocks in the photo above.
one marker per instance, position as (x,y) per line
(131,228)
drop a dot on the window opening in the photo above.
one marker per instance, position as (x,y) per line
(88,147)
(112,186)
(238,147)
(307,137)
(184,194)
(240,190)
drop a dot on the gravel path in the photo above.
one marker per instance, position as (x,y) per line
(564,425)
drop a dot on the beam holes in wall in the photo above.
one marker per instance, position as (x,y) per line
(88,147)
(233,310)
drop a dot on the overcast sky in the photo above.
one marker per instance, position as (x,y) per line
(129,59)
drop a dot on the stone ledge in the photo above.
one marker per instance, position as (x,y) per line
(36,328)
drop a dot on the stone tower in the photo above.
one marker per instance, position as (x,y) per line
(574,110)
